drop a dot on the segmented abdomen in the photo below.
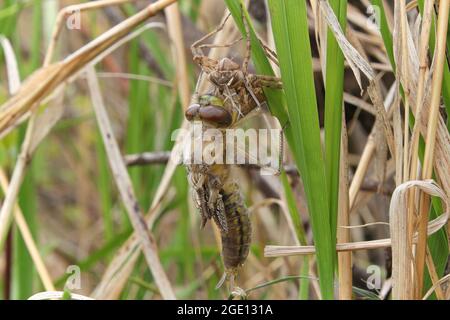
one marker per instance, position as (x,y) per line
(236,242)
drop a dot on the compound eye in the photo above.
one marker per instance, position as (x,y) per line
(192,111)
(216,115)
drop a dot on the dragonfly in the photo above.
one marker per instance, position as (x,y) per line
(234,95)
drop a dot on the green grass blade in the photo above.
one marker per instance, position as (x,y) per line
(385,31)
(9,13)
(334,93)
(104,189)
(295,215)
(290,27)
(276,101)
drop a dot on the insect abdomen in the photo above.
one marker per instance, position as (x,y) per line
(236,242)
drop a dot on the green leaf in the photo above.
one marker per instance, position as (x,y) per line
(385,31)
(290,28)
(334,92)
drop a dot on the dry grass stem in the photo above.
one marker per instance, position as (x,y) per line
(125,187)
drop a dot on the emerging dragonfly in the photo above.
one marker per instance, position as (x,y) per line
(233,95)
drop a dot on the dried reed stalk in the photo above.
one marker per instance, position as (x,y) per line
(427,170)
(398,207)
(126,190)
(413,155)
(404,272)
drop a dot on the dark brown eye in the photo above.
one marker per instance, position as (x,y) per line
(216,115)
(192,111)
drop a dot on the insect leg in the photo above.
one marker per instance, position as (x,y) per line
(211,45)
(247,58)
(250,90)
(272,55)
(248,44)
(229,96)
(266,81)
(196,47)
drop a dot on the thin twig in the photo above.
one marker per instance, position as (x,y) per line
(147,158)
(125,187)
